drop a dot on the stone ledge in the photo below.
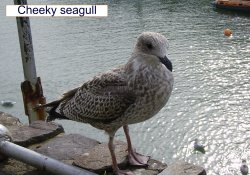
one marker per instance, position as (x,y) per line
(9,121)
(98,160)
(66,147)
(79,150)
(36,132)
(26,135)
(183,168)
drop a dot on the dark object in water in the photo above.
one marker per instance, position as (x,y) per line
(199,147)
(7,103)
(244,168)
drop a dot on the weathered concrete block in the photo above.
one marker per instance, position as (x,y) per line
(36,132)
(67,147)
(183,168)
(79,150)
(99,161)
(9,121)
(14,167)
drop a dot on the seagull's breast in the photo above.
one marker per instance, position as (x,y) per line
(152,86)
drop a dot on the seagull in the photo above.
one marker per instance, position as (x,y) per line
(244,168)
(8,103)
(128,94)
(198,146)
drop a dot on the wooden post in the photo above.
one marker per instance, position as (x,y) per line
(31,87)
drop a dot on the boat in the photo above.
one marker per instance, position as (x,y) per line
(239,5)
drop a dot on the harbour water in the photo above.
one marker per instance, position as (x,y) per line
(211,97)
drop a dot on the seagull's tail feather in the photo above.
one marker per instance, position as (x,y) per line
(52,106)
(54,115)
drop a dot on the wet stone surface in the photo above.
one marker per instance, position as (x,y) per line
(66,147)
(98,160)
(81,151)
(36,132)
(9,121)
(183,168)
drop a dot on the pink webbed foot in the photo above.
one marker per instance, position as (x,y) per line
(137,159)
(133,157)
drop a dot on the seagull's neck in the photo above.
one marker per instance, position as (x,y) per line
(244,164)
(148,70)
(142,68)
(144,61)
(139,71)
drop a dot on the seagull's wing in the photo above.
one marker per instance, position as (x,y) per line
(103,99)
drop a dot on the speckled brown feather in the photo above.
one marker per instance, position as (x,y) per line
(129,94)
(102,99)
(126,95)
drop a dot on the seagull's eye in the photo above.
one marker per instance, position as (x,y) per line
(149,46)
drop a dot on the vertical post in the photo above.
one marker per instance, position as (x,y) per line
(31,87)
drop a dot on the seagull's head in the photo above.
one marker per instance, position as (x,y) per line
(244,161)
(154,44)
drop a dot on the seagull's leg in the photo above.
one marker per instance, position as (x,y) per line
(115,167)
(134,157)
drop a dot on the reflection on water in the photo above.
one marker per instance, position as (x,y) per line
(211,96)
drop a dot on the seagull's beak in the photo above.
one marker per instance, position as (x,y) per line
(166,62)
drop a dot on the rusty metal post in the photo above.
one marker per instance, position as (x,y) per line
(31,87)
